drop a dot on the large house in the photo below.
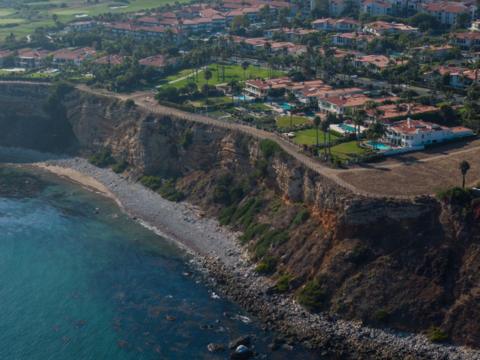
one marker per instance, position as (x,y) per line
(329,24)
(31,58)
(380,28)
(418,134)
(467,40)
(449,12)
(352,39)
(75,57)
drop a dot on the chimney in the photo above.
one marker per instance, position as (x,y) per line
(409,123)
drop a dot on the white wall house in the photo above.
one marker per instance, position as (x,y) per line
(416,133)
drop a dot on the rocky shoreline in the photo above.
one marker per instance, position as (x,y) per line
(227,269)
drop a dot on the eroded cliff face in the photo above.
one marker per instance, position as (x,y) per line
(405,264)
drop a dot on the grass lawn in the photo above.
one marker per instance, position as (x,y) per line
(309,137)
(212,101)
(348,150)
(232,72)
(44,10)
(285,121)
(6,12)
(10,21)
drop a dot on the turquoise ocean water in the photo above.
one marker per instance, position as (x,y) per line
(79,280)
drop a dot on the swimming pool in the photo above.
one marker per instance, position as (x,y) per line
(379,146)
(286,106)
(347,128)
(243,98)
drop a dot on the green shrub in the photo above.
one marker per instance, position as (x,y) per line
(152,182)
(102,159)
(226,215)
(269,239)
(120,167)
(169,191)
(269,148)
(187,139)
(437,335)
(267,265)
(456,196)
(130,104)
(283,283)
(252,231)
(312,296)
(301,217)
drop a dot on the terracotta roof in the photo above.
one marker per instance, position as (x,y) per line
(158,61)
(111,60)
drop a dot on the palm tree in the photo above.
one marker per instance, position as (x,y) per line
(245,66)
(464,167)
(359,121)
(292,99)
(325,127)
(208,75)
(234,88)
(317,122)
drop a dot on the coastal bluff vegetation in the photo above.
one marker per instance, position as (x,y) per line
(408,264)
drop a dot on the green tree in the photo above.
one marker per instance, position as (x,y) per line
(464,168)
(208,75)
(316,122)
(245,66)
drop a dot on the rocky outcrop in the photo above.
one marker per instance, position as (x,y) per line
(404,264)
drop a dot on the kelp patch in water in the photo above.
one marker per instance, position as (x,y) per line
(17,183)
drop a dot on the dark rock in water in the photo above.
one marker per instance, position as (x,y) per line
(242,340)
(275,344)
(241,353)
(215,347)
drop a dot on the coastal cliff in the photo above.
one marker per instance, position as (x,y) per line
(407,264)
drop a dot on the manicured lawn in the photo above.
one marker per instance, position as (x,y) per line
(6,12)
(309,137)
(286,121)
(232,72)
(348,150)
(10,21)
(212,101)
(43,11)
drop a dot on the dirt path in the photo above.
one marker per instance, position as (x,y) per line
(386,179)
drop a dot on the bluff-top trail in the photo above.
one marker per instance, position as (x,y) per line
(408,263)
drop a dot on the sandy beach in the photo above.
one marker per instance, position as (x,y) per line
(216,250)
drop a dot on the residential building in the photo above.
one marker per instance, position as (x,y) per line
(31,58)
(260,89)
(158,62)
(377,8)
(72,57)
(380,28)
(389,113)
(374,63)
(418,134)
(111,60)
(352,40)
(329,24)
(448,12)
(467,40)
(475,25)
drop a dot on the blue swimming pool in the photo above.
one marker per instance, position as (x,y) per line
(347,128)
(286,106)
(379,146)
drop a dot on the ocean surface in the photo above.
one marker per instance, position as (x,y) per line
(79,280)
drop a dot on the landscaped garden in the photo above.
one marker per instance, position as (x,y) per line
(291,121)
(348,150)
(309,137)
(221,74)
